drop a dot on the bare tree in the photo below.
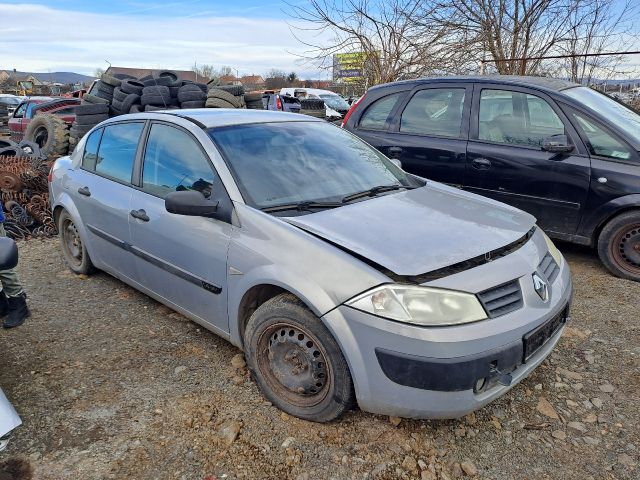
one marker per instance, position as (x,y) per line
(98,72)
(275,79)
(205,71)
(394,37)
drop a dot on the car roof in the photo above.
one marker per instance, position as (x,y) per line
(39,99)
(542,83)
(220,117)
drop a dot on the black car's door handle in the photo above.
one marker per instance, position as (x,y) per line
(481,164)
(140,215)
(84,191)
(395,152)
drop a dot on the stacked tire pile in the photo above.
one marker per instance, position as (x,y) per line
(254,101)
(225,96)
(313,106)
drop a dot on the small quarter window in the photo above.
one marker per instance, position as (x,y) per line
(90,155)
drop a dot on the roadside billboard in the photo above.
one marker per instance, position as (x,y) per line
(349,67)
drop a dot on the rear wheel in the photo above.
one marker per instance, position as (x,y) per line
(296,361)
(619,245)
(73,249)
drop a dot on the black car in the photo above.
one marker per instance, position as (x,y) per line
(560,151)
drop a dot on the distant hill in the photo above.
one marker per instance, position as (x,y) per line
(55,77)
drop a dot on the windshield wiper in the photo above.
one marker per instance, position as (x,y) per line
(372,192)
(300,206)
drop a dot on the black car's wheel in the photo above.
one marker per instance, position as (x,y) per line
(296,362)
(619,245)
(73,249)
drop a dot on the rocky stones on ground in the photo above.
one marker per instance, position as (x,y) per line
(229,430)
(395,421)
(546,409)
(237,361)
(469,468)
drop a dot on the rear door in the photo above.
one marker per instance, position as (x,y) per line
(426,130)
(101,189)
(506,161)
(181,258)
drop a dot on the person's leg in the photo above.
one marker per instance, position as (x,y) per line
(13,299)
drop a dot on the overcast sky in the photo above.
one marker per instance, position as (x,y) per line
(64,35)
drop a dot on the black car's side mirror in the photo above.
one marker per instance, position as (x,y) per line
(8,253)
(190,202)
(557,144)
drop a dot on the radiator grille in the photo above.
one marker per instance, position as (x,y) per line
(503,299)
(549,268)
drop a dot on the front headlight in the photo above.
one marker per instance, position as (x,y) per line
(420,305)
(553,250)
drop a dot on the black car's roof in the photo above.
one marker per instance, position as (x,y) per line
(545,83)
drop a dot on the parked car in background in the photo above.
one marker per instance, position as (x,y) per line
(280,102)
(341,277)
(560,151)
(8,104)
(336,106)
(64,108)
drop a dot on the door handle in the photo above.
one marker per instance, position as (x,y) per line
(481,164)
(84,191)
(140,215)
(395,152)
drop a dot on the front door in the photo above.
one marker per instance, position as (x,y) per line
(180,258)
(505,160)
(102,192)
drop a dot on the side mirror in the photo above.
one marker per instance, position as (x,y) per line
(190,202)
(557,144)
(8,253)
(396,162)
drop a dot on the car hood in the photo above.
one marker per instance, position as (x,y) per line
(418,231)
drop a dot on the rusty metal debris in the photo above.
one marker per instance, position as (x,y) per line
(25,197)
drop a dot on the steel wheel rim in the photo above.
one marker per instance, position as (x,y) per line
(41,136)
(625,248)
(72,243)
(294,365)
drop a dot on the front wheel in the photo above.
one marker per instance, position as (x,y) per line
(619,245)
(296,362)
(73,249)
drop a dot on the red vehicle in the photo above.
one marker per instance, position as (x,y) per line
(62,107)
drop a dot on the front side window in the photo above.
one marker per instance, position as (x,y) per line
(19,113)
(599,141)
(434,111)
(90,155)
(516,118)
(290,162)
(375,117)
(174,161)
(117,150)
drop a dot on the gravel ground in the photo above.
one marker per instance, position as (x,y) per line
(111,384)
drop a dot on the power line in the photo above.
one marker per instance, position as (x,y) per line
(551,57)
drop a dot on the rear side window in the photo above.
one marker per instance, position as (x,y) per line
(90,154)
(375,117)
(435,111)
(117,150)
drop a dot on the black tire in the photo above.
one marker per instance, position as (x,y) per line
(218,103)
(104,88)
(91,119)
(129,101)
(159,82)
(193,104)
(105,96)
(12,152)
(119,95)
(173,91)
(255,105)
(50,133)
(312,104)
(116,108)
(110,80)
(93,99)
(156,100)
(145,78)
(619,245)
(253,97)
(7,143)
(131,86)
(191,95)
(123,76)
(74,252)
(283,327)
(172,76)
(201,86)
(226,96)
(91,109)
(79,131)
(157,90)
(136,108)
(235,90)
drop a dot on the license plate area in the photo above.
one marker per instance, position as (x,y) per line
(535,339)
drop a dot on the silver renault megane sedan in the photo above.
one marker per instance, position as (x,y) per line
(344,279)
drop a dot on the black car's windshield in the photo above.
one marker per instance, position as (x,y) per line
(291,162)
(619,115)
(334,101)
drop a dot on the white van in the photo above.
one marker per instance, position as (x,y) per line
(337,107)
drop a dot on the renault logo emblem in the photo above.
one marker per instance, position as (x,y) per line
(541,287)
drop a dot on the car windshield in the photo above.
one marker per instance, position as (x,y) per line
(334,101)
(292,162)
(9,100)
(617,114)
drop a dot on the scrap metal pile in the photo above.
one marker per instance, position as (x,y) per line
(25,196)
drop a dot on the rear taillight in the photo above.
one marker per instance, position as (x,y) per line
(50,176)
(353,106)
(278,103)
